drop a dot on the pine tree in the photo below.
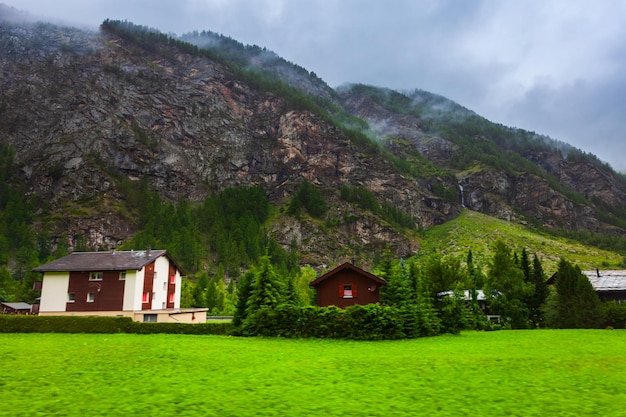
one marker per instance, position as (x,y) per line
(506,289)
(244,289)
(578,305)
(540,295)
(267,290)
(199,291)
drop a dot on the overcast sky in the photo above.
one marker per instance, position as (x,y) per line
(554,67)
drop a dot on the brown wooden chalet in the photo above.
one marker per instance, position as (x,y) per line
(347,285)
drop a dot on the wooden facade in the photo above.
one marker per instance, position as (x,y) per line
(347,285)
(145,285)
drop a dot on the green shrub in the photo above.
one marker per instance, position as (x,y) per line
(64,324)
(103,324)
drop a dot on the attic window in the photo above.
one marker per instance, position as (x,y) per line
(347,291)
(95,276)
(123,276)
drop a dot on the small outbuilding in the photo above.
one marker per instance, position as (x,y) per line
(609,285)
(16,308)
(347,285)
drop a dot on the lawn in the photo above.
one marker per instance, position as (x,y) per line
(506,373)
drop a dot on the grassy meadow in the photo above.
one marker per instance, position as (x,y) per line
(506,373)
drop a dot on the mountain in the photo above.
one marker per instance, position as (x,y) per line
(91,118)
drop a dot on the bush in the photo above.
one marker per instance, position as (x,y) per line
(64,324)
(359,322)
(103,324)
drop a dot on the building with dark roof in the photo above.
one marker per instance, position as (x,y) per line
(143,285)
(347,285)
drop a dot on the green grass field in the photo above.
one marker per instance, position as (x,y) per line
(506,373)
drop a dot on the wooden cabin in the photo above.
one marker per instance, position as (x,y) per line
(347,285)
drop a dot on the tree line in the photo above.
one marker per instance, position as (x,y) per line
(427,297)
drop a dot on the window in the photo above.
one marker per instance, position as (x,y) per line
(172,279)
(347,291)
(95,276)
(71,297)
(145,298)
(171,297)
(150,318)
(91,297)
(165,286)
(123,276)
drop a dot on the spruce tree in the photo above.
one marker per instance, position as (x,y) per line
(244,289)
(578,305)
(267,290)
(506,289)
(540,295)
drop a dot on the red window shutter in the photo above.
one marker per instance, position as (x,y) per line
(354,293)
(341,291)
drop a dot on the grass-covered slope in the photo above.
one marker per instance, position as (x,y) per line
(479,232)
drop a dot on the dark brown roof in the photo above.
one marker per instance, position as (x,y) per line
(104,261)
(343,267)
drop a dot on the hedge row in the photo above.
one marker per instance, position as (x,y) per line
(358,322)
(102,324)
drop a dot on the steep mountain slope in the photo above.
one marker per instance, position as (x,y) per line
(86,113)
(508,173)
(91,116)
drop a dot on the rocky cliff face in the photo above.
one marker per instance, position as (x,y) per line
(86,112)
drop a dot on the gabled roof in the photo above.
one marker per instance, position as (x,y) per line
(344,267)
(607,280)
(104,261)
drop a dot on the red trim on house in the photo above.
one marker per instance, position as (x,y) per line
(148,285)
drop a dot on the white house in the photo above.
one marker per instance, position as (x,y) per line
(143,285)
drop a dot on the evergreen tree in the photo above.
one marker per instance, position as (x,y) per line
(397,292)
(428,322)
(199,291)
(540,295)
(267,289)
(506,289)
(578,305)
(244,290)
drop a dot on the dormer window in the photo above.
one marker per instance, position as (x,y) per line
(95,276)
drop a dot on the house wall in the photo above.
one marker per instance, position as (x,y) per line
(160,283)
(54,291)
(132,290)
(328,291)
(106,293)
